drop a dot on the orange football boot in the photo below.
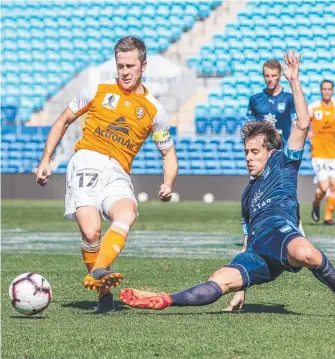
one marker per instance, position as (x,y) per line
(102,277)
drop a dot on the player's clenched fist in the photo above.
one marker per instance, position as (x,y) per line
(43,173)
(165,193)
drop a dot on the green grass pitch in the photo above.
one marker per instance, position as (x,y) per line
(292,317)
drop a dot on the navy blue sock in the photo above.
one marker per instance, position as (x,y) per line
(200,294)
(325,273)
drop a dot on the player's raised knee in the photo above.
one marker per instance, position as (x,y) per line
(127,215)
(229,279)
(306,255)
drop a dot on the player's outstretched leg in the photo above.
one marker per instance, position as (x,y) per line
(102,277)
(222,282)
(325,273)
(301,253)
(143,299)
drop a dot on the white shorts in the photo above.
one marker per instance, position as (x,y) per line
(324,168)
(91,178)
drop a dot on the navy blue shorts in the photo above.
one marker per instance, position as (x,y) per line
(266,256)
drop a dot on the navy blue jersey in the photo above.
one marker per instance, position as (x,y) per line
(278,109)
(274,193)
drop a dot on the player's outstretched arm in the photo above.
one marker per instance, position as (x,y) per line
(298,135)
(56,133)
(170,165)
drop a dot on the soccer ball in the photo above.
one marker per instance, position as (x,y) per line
(208,198)
(30,293)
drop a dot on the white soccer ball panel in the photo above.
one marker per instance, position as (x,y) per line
(30,293)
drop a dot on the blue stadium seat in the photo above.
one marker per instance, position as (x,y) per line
(228,165)
(195,147)
(213,168)
(211,147)
(7,169)
(195,156)
(216,120)
(183,156)
(198,167)
(184,167)
(210,156)
(201,119)
(226,156)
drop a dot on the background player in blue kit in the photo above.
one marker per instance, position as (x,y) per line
(273,104)
(273,244)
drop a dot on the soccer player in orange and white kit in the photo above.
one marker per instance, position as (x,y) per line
(322,136)
(120,117)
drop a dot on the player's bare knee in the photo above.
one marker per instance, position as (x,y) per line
(306,255)
(126,216)
(323,187)
(92,235)
(226,281)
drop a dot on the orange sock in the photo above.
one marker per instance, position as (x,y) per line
(318,196)
(111,245)
(330,206)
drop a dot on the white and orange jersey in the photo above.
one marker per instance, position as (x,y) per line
(323,129)
(118,123)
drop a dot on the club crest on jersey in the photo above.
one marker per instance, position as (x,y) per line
(110,101)
(140,112)
(281,107)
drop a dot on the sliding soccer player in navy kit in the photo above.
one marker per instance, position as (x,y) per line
(274,105)
(273,243)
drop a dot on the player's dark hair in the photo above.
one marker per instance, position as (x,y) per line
(326,82)
(130,43)
(252,129)
(272,64)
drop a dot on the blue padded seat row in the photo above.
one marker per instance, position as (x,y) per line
(36,35)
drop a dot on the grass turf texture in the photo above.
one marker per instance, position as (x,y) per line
(47,216)
(291,317)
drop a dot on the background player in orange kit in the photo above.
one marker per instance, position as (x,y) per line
(322,136)
(120,117)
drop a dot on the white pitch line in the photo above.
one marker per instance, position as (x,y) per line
(155,244)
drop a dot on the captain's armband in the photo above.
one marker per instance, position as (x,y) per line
(163,139)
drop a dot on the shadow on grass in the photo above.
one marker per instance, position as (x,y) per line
(248,308)
(267,308)
(92,305)
(25,317)
(313,224)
